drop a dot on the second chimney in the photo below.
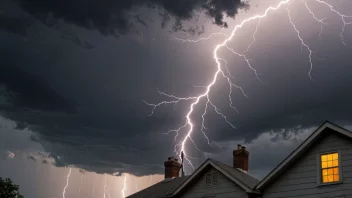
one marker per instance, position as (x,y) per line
(240,158)
(172,168)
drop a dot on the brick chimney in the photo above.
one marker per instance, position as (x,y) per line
(172,168)
(240,158)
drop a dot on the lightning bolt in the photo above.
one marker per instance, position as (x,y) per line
(201,39)
(321,21)
(67,180)
(254,34)
(343,18)
(124,186)
(302,43)
(79,189)
(223,71)
(106,190)
(151,179)
(104,185)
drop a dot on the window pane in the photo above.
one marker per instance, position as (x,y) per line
(336,171)
(325,172)
(329,163)
(330,171)
(208,178)
(323,158)
(330,178)
(335,162)
(335,156)
(325,179)
(336,178)
(330,157)
(324,164)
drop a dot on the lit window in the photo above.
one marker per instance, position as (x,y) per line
(212,179)
(330,168)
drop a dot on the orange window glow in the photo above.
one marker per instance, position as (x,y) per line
(330,168)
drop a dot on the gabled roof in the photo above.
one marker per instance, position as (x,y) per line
(161,189)
(301,150)
(245,178)
(245,181)
(173,187)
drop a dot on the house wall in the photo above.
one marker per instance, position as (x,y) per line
(225,189)
(301,179)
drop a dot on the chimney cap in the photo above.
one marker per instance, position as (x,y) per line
(172,168)
(170,158)
(243,147)
(239,146)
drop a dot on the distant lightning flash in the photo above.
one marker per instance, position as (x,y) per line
(223,71)
(104,185)
(106,190)
(67,180)
(123,191)
(151,179)
(79,189)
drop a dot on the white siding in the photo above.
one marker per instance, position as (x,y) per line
(225,189)
(301,179)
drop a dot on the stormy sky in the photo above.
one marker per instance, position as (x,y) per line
(73,78)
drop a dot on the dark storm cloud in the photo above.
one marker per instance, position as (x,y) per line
(110,130)
(20,25)
(103,146)
(267,150)
(103,151)
(32,157)
(14,24)
(28,91)
(139,19)
(110,17)
(76,40)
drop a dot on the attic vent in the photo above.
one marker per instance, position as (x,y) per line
(212,179)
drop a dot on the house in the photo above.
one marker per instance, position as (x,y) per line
(321,167)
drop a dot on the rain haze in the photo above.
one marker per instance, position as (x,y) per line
(79,84)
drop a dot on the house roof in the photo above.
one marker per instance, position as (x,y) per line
(242,179)
(245,178)
(301,150)
(161,189)
(173,187)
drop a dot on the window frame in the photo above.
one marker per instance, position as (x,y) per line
(212,174)
(319,168)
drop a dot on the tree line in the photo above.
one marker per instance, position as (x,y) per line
(8,189)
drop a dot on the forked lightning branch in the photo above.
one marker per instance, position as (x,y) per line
(187,129)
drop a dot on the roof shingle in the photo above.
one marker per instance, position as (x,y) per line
(244,178)
(165,188)
(161,189)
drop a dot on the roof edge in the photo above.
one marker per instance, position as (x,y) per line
(201,168)
(300,149)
